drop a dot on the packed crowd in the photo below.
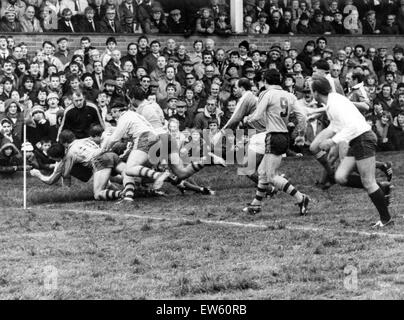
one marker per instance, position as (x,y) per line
(58,87)
(203,16)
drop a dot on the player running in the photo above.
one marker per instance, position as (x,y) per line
(88,153)
(275,106)
(348,125)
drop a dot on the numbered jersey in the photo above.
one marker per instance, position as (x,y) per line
(279,104)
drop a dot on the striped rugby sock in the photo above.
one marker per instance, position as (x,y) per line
(109,195)
(197,166)
(129,190)
(282,184)
(260,193)
(145,172)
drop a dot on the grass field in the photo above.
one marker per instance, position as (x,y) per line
(200,247)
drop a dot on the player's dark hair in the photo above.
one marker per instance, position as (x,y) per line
(321,85)
(66,136)
(322,65)
(244,83)
(56,151)
(46,140)
(358,77)
(95,131)
(273,77)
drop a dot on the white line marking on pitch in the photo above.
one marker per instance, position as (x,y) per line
(224,223)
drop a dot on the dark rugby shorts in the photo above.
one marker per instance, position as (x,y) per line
(363,146)
(107,160)
(165,145)
(276,143)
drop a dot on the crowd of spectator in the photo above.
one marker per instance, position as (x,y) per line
(204,17)
(57,87)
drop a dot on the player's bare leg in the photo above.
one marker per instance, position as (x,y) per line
(378,193)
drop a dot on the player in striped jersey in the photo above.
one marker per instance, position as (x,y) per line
(87,153)
(150,147)
(348,125)
(275,106)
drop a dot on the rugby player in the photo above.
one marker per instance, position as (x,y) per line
(149,147)
(348,125)
(88,153)
(275,106)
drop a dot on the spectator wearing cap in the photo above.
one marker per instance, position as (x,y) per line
(110,23)
(389,26)
(261,26)
(18,6)
(10,23)
(318,25)
(39,127)
(176,24)
(183,116)
(370,24)
(88,23)
(337,23)
(303,26)
(157,22)
(29,22)
(80,116)
(243,49)
(185,73)
(205,24)
(63,53)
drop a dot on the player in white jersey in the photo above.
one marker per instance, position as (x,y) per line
(348,125)
(150,146)
(87,153)
(275,106)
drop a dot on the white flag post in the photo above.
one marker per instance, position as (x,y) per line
(25,167)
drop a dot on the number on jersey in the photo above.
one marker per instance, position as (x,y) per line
(285,107)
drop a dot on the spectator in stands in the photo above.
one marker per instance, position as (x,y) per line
(318,25)
(39,127)
(10,158)
(205,24)
(80,116)
(395,133)
(150,61)
(18,6)
(277,25)
(77,7)
(261,26)
(10,23)
(110,23)
(29,22)
(7,131)
(88,23)
(370,24)
(390,26)
(66,24)
(157,22)
(210,112)
(222,27)
(176,24)
(303,27)
(247,25)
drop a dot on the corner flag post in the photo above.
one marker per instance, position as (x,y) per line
(25,167)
